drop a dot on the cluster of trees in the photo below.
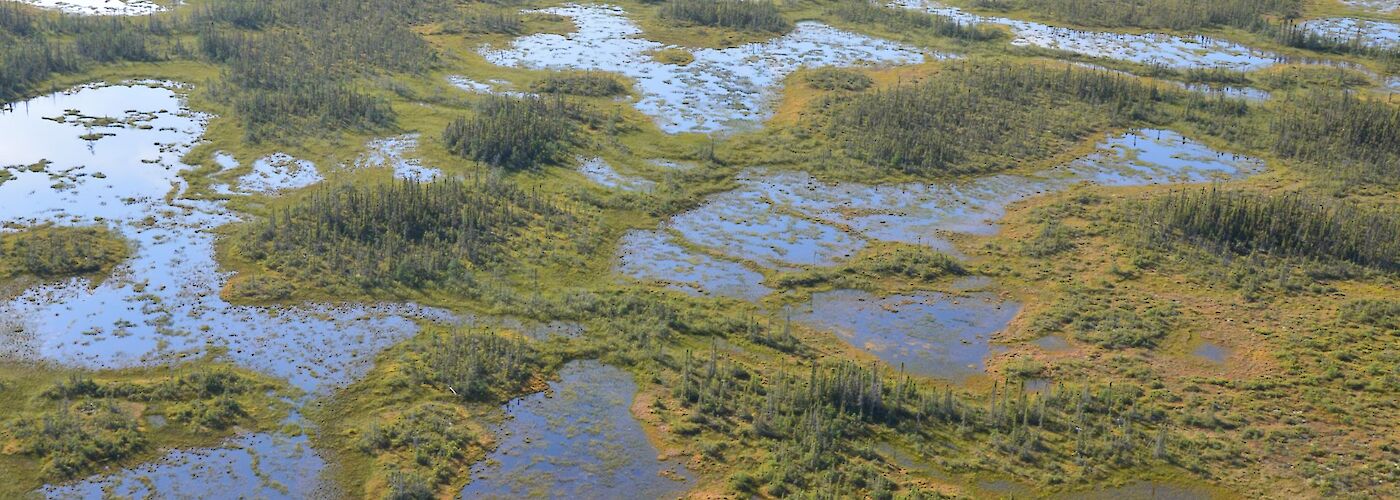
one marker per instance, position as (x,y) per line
(1157,14)
(515,133)
(502,21)
(34,44)
(1293,225)
(909,21)
(79,436)
(297,66)
(1341,134)
(402,233)
(1295,35)
(55,252)
(473,365)
(984,117)
(812,420)
(746,15)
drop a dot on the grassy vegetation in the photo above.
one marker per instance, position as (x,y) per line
(872,269)
(580,83)
(60,252)
(406,234)
(745,15)
(837,79)
(64,424)
(984,117)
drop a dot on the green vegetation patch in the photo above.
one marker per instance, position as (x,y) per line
(869,269)
(580,83)
(832,79)
(75,426)
(744,15)
(1293,225)
(403,233)
(1340,135)
(1106,320)
(984,117)
(514,134)
(57,252)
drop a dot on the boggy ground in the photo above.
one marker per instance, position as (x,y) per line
(753,396)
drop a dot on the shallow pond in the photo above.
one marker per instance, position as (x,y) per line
(277,173)
(657,256)
(1212,352)
(721,89)
(112,156)
(788,219)
(392,152)
(248,466)
(1378,34)
(603,174)
(929,334)
(99,7)
(1167,50)
(577,440)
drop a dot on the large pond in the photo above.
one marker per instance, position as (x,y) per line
(577,440)
(721,89)
(110,155)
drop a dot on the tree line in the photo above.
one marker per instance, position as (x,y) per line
(1293,224)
